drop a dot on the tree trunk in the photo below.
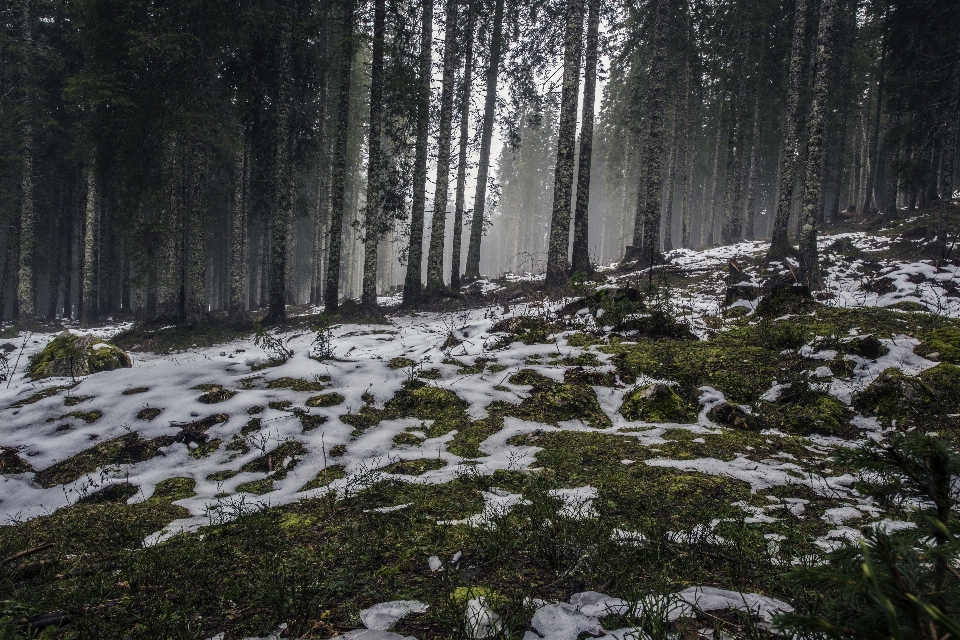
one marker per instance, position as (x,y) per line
(413,284)
(196,250)
(25,292)
(462,160)
(873,159)
(372,218)
(88,290)
(566,143)
(809,266)
(241,177)
(753,179)
(438,228)
(675,156)
(709,221)
(472,270)
(331,293)
(787,171)
(581,232)
(726,222)
(689,151)
(281,209)
(949,153)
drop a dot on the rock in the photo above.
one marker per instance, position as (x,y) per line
(71,355)
(894,395)
(656,403)
(730,416)
(868,347)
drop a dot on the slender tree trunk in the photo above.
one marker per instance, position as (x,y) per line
(951,138)
(709,221)
(689,151)
(779,243)
(331,292)
(413,283)
(462,160)
(372,219)
(566,143)
(809,266)
(281,209)
(480,199)
(727,223)
(438,228)
(241,176)
(581,232)
(753,180)
(675,157)
(873,158)
(88,290)
(25,292)
(7,260)
(196,250)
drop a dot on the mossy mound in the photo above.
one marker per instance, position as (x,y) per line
(942,344)
(943,381)
(894,395)
(657,325)
(296,384)
(11,462)
(609,306)
(424,402)
(732,417)
(70,355)
(416,467)
(326,400)
(114,493)
(783,298)
(526,329)
(553,402)
(657,403)
(805,412)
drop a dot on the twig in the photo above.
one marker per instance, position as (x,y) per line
(27,552)
(17,363)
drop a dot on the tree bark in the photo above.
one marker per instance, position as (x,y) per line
(25,289)
(88,290)
(581,232)
(709,221)
(413,284)
(949,153)
(462,159)
(675,157)
(472,270)
(438,228)
(873,158)
(566,143)
(753,179)
(281,205)
(196,250)
(241,176)
(809,265)
(689,151)
(787,171)
(331,293)
(372,218)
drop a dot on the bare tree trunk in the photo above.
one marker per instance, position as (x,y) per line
(413,284)
(753,179)
(372,220)
(566,143)
(709,221)
(809,266)
(462,160)
(438,228)
(88,291)
(196,250)
(675,157)
(873,158)
(241,176)
(951,137)
(689,151)
(472,270)
(25,292)
(581,232)
(779,243)
(331,293)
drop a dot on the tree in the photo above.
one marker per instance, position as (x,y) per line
(581,256)
(462,159)
(563,176)
(472,270)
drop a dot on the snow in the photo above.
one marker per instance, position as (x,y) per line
(386,614)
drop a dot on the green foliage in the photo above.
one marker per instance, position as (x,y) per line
(278,351)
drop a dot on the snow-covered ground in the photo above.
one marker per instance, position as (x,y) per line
(362,366)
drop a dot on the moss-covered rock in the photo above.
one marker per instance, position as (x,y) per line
(894,395)
(609,306)
(657,403)
(943,381)
(553,402)
(526,329)
(326,400)
(805,412)
(731,416)
(942,344)
(70,355)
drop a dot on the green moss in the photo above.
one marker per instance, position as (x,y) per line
(309,421)
(407,439)
(611,306)
(280,405)
(205,449)
(114,493)
(254,410)
(11,462)
(943,341)
(148,413)
(135,390)
(174,489)
(127,449)
(805,413)
(216,395)
(272,461)
(72,401)
(401,363)
(87,416)
(253,424)
(583,340)
(338,451)
(295,384)
(430,374)
(554,402)
(895,396)
(221,476)
(657,403)
(943,381)
(326,400)
(325,477)
(526,329)
(73,355)
(40,395)
(415,467)
(256,487)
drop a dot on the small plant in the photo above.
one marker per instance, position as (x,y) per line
(279,352)
(322,347)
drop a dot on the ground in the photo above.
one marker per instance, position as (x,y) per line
(657,440)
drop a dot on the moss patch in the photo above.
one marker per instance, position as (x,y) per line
(325,477)
(148,413)
(326,400)
(72,355)
(72,401)
(215,394)
(945,342)
(657,403)
(804,412)
(415,467)
(37,397)
(526,329)
(135,390)
(894,395)
(296,384)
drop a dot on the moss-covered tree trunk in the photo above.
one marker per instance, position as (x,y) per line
(331,294)
(438,227)
(787,170)
(464,141)
(413,282)
(566,146)
(472,270)
(581,231)
(809,265)
(372,219)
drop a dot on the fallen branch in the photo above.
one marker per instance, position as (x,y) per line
(27,552)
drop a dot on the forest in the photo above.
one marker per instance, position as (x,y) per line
(223,157)
(479,319)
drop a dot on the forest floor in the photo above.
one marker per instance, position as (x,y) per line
(652,453)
